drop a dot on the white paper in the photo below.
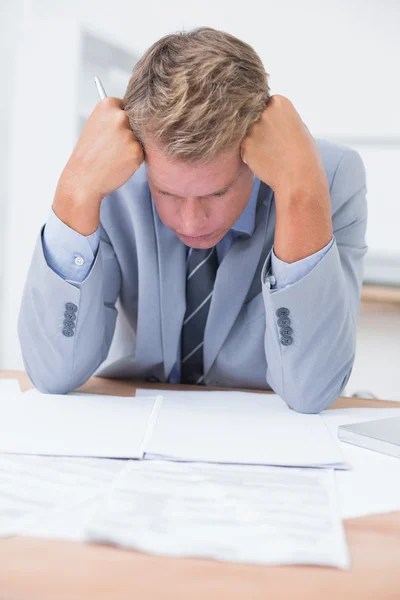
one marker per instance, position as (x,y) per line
(42,495)
(239,428)
(265,515)
(372,486)
(74,424)
(9,386)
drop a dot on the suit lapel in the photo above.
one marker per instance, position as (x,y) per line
(148,333)
(172,277)
(233,280)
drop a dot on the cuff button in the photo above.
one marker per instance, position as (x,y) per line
(79,260)
(286,331)
(70,316)
(69,324)
(71,307)
(284,322)
(68,332)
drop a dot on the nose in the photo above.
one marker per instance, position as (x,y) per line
(193,217)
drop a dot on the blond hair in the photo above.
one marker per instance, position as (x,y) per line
(196,93)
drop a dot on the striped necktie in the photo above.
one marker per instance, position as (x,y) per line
(201,271)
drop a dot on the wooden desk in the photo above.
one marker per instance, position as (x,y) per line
(381,294)
(33,569)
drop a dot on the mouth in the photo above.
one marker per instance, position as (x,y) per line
(192,239)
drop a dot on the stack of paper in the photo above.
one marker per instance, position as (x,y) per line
(220,427)
(239,428)
(56,497)
(74,425)
(246,514)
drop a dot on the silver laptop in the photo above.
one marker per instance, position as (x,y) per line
(381,436)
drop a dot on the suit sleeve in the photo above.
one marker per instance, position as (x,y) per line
(289,273)
(310,336)
(67,252)
(65,328)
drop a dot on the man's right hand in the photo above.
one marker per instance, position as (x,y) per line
(106,155)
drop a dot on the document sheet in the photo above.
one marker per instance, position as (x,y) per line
(49,496)
(266,515)
(74,424)
(239,428)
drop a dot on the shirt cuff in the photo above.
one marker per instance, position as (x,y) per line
(69,253)
(288,273)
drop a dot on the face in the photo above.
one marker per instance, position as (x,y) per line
(199,203)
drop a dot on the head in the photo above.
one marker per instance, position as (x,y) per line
(191,100)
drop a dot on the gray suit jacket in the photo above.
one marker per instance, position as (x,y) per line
(134,301)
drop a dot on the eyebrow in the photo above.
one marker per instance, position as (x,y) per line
(220,191)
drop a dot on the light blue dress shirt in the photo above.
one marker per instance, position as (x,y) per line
(71,255)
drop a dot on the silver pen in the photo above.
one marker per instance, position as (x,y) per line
(100,88)
(102,94)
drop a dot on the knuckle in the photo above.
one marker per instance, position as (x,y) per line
(129,138)
(121,117)
(108,103)
(279,100)
(137,151)
(113,101)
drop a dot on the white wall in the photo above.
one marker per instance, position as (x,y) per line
(337,61)
(11,17)
(43,126)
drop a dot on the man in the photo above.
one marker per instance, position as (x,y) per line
(231,241)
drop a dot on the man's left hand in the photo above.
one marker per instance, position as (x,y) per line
(280,150)
(282,153)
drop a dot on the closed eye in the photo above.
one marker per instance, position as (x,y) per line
(217,194)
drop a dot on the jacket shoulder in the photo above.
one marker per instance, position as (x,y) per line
(345,171)
(331,154)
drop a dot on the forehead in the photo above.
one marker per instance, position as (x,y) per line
(182,179)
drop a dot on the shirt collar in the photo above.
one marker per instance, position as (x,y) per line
(247,220)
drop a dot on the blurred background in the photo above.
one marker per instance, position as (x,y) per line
(338,61)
